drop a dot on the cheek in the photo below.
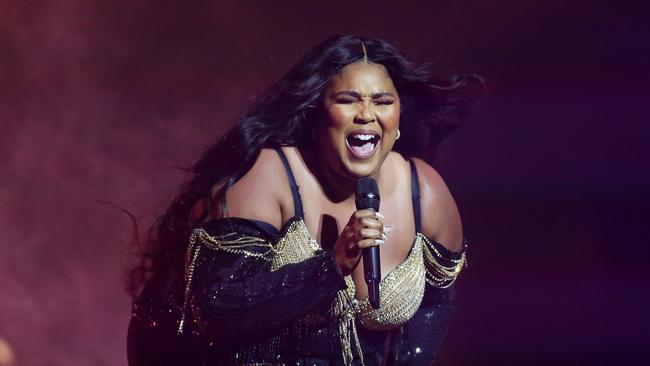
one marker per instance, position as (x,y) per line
(339,116)
(390,117)
(331,128)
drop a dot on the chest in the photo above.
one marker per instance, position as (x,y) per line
(326,220)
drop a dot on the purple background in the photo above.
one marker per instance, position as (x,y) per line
(101,100)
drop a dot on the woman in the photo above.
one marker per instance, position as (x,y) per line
(257,261)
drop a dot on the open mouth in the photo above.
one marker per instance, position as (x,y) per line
(362,144)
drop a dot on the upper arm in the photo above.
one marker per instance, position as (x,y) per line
(263,193)
(440,218)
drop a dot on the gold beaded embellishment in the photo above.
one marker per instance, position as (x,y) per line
(401,293)
(233,243)
(345,308)
(440,275)
(294,247)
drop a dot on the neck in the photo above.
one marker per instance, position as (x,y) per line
(336,187)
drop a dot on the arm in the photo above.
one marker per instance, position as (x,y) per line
(444,256)
(239,298)
(444,249)
(243,286)
(238,283)
(440,218)
(424,333)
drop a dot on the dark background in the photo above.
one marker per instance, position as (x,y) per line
(101,100)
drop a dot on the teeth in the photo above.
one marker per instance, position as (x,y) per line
(362,137)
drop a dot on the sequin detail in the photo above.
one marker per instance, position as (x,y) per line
(400,295)
(402,290)
(442,271)
(230,243)
(295,246)
(344,308)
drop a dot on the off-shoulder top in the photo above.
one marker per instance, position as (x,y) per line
(258,295)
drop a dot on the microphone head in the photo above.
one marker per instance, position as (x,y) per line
(367,194)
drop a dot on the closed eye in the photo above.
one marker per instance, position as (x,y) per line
(384,102)
(345,100)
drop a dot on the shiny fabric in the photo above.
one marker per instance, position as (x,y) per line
(244,313)
(256,295)
(400,293)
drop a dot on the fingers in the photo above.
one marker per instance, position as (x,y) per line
(360,214)
(368,228)
(363,234)
(370,234)
(367,238)
(367,243)
(368,224)
(372,223)
(364,230)
(368,218)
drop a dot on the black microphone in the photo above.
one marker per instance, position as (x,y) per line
(368,198)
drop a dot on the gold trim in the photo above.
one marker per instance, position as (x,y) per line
(439,275)
(296,246)
(400,296)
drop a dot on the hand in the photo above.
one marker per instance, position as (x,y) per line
(364,230)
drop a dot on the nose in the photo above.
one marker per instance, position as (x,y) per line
(365,114)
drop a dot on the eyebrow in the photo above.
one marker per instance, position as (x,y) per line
(357,95)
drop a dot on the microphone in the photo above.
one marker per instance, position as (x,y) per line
(367,197)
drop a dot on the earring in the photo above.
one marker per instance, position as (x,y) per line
(398,134)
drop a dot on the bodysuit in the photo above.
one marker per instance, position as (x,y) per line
(257,295)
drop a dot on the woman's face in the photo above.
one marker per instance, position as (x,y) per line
(361,116)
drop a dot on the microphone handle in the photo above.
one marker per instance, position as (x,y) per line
(372,274)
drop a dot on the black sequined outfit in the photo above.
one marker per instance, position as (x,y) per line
(256,295)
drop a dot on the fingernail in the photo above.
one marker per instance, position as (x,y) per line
(379,241)
(384,235)
(379,214)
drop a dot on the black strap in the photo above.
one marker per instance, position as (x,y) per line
(415,196)
(297,203)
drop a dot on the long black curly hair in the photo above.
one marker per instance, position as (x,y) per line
(432,107)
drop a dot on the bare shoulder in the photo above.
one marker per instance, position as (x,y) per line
(440,218)
(263,193)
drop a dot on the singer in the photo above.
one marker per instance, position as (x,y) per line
(258,259)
